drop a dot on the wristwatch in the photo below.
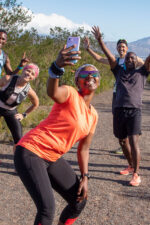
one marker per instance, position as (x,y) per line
(85,175)
(24,115)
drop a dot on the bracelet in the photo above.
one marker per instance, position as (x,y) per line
(52,75)
(24,115)
(20,67)
(85,175)
(56,70)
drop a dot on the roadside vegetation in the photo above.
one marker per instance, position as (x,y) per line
(43,50)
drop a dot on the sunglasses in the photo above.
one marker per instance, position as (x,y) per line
(85,74)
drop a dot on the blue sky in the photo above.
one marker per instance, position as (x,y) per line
(129,19)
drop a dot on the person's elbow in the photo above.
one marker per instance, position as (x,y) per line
(50,93)
(36,104)
(9,72)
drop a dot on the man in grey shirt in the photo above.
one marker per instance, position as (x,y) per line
(127,112)
(122,48)
(130,83)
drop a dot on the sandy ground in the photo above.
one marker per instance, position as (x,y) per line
(111,200)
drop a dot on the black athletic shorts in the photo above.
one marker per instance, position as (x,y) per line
(126,122)
(113,102)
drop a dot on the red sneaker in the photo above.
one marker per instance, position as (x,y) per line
(136,180)
(127,171)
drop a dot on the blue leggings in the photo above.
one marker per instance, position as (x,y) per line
(40,177)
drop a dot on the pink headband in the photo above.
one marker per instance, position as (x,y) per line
(32,66)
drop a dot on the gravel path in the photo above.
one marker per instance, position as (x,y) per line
(111,200)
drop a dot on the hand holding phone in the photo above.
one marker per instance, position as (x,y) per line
(74,41)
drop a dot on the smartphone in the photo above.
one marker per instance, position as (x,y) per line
(74,41)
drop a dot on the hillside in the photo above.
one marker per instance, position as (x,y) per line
(141,47)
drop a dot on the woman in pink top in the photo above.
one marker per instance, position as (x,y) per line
(38,157)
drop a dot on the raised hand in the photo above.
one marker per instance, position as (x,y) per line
(24,60)
(86,42)
(96,32)
(66,55)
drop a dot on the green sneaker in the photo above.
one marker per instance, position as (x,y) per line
(119,151)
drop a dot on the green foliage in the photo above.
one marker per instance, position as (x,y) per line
(43,50)
(36,116)
(13,16)
(148,79)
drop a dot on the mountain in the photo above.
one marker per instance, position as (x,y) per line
(141,47)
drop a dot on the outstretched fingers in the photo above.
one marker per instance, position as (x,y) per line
(96,32)
(24,55)
(24,60)
(86,42)
(66,56)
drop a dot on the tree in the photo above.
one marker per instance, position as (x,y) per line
(13,17)
(60,35)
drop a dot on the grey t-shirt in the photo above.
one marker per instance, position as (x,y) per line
(130,86)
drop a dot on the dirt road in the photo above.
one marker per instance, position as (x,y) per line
(111,200)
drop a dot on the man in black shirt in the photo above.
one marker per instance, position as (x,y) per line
(127,114)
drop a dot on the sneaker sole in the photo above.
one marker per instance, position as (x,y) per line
(125,174)
(135,185)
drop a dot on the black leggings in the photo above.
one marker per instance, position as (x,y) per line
(13,124)
(40,176)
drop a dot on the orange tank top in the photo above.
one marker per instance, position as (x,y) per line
(66,124)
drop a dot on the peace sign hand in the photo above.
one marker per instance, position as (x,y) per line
(24,60)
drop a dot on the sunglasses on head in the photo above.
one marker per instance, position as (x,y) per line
(84,74)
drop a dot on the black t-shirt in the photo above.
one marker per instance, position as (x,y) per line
(130,86)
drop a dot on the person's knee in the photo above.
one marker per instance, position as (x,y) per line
(134,142)
(80,206)
(76,209)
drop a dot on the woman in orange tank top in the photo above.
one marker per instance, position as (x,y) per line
(38,157)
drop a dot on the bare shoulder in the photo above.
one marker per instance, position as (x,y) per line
(31,91)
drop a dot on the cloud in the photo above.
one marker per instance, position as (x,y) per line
(42,23)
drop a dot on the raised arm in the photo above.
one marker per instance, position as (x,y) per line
(140,62)
(59,93)
(147,63)
(96,56)
(111,58)
(8,68)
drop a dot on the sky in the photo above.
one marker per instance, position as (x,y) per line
(128,19)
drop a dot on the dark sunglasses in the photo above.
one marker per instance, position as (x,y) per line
(84,74)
